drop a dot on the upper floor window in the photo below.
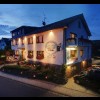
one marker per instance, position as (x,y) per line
(40,55)
(39,39)
(81,53)
(13,34)
(30,54)
(18,32)
(73,35)
(30,40)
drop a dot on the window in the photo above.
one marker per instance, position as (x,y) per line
(39,39)
(30,54)
(40,55)
(13,34)
(73,35)
(16,53)
(73,53)
(18,32)
(30,40)
(22,31)
(81,53)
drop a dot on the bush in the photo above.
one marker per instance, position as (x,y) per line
(60,76)
(15,67)
(44,72)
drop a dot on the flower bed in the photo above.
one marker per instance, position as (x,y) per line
(36,72)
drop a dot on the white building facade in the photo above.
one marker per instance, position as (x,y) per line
(64,42)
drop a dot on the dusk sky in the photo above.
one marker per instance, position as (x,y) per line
(15,15)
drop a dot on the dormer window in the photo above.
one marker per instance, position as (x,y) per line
(22,31)
(13,34)
(18,32)
(73,35)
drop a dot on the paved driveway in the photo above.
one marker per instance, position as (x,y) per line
(70,84)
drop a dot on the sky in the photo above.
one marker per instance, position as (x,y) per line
(16,15)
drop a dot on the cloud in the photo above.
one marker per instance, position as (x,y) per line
(5,30)
(33,14)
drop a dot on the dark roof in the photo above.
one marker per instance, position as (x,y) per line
(24,27)
(6,40)
(63,23)
(60,24)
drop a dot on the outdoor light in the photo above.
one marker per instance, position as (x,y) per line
(21,73)
(46,77)
(71,48)
(83,62)
(70,62)
(34,76)
(68,67)
(51,33)
(34,36)
(19,40)
(25,38)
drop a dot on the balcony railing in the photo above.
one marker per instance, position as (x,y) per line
(71,41)
(77,41)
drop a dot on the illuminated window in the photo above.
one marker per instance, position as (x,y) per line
(73,53)
(40,55)
(81,53)
(30,40)
(30,54)
(73,35)
(39,39)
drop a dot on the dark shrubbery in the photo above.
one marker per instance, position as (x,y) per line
(39,71)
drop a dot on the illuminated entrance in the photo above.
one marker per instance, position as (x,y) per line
(71,55)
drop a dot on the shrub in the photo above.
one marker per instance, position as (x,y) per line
(60,76)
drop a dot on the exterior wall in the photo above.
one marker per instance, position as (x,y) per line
(75,29)
(51,38)
(85,46)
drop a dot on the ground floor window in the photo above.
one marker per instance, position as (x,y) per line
(40,55)
(16,52)
(72,55)
(30,54)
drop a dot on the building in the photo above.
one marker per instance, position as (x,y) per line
(5,43)
(63,42)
